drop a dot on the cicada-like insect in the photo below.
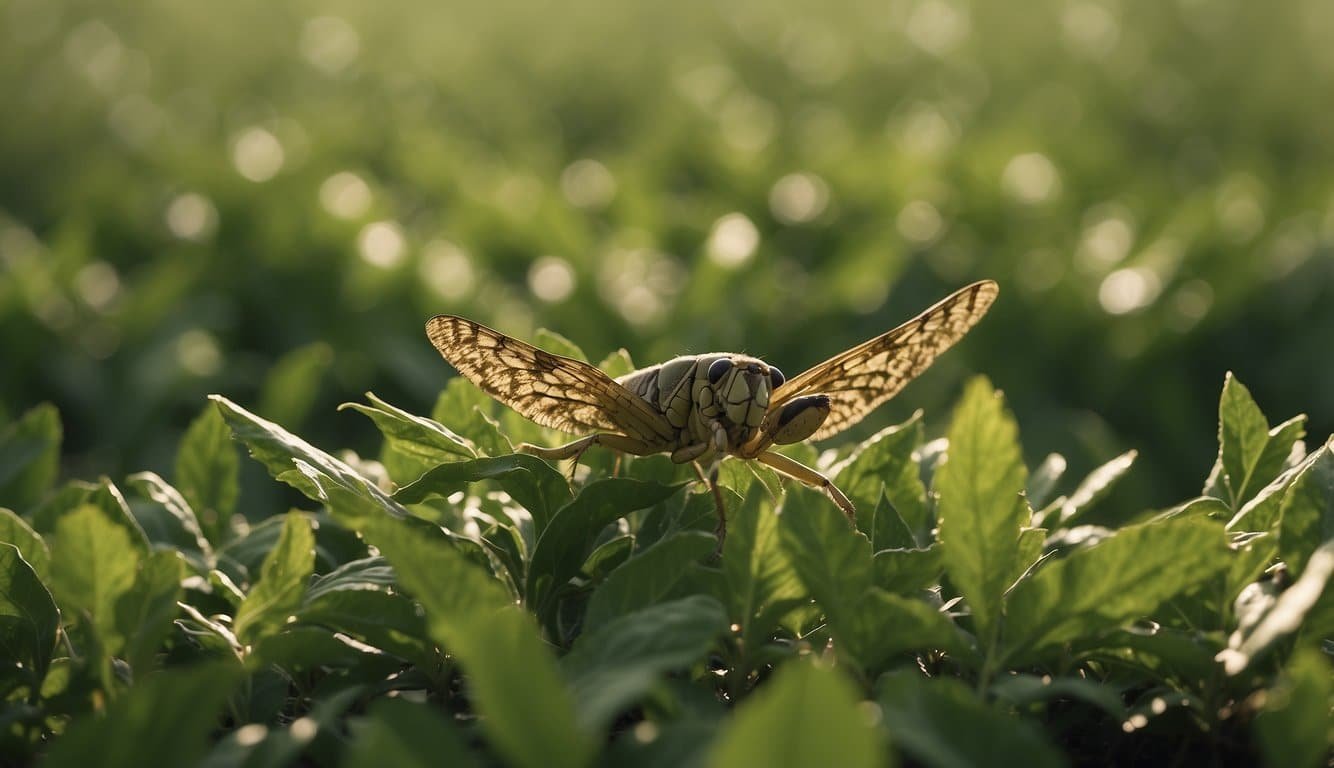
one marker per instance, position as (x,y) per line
(703,408)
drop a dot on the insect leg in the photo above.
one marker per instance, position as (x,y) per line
(711,479)
(798,471)
(575,449)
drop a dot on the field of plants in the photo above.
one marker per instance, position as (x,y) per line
(222,229)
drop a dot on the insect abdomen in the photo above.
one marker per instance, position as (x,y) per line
(667,387)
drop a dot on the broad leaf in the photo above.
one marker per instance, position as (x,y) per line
(468,410)
(29,457)
(1093,489)
(93,564)
(531,481)
(282,581)
(207,471)
(1280,615)
(1307,511)
(807,715)
(165,719)
(924,718)
(167,518)
(1121,578)
(144,614)
(413,444)
(1294,727)
(564,544)
(905,571)
(16,531)
(762,585)
(981,507)
(28,618)
(646,578)
(614,666)
(1250,454)
(557,344)
(401,733)
(884,464)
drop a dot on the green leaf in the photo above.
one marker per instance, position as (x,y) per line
(531,481)
(168,520)
(832,560)
(294,382)
(28,619)
(905,571)
(1307,511)
(165,719)
(352,498)
(29,457)
(889,624)
(616,665)
(1043,480)
(413,444)
(925,717)
(557,344)
(647,578)
(617,364)
(145,613)
(563,545)
(15,530)
(496,642)
(981,507)
(1121,578)
(400,733)
(884,464)
(1294,727)
(807,715)
(1250,454)
(888,530)
(282,582)
(207,471)
(1022,690)
(104,495)
(464,407)
(762,585)
(1093,489)
(93,564)
(360,599)
(1278,616)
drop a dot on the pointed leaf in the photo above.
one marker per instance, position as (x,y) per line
(1294,727)
(617,363)
(1093,489)
(1307,511)
(1121,578)
(163,720)
(28,619)
(282,582)
(904,571)
(1282,616)
(401,733)
(413,444)
(807,715)
(531,481)
(167,518)
(616,665)
(1250,454)
(207,471)
(29,457)
(924,717)
(981,507)
(555,343)
(15,530)
(144,614)
(93,563)
(1043,480)
(884,464)
(463,407)
(761,582)
(646,578)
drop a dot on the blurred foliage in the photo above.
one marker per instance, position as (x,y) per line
(195,194)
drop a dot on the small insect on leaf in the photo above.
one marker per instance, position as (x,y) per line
(703,408)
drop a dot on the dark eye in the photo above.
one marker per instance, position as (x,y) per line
(719,369)
(776,377)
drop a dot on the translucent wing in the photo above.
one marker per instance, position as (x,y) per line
(870,373)
(554,391)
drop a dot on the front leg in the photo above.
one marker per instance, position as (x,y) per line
(575,449)
(798,471)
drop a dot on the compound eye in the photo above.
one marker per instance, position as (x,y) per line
(718,369)
(776,377)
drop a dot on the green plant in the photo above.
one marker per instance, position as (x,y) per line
(453,601)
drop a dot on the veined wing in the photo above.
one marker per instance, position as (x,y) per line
(554,391)
(870,373)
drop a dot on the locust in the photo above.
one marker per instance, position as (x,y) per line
(701,409)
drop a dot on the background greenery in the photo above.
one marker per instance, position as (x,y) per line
(192,194)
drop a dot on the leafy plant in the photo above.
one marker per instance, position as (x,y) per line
(450,601)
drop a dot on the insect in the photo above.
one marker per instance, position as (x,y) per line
(703,408)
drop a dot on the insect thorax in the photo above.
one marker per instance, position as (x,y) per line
(680,389)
